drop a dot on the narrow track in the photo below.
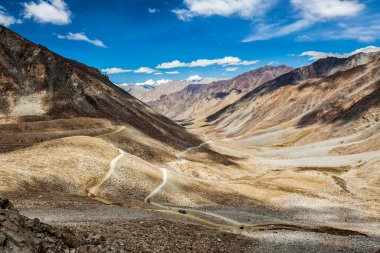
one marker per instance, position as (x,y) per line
(93,191)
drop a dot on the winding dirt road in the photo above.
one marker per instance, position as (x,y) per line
(159,188)
(165,177)
(93,191)
(228,222)
(198,215)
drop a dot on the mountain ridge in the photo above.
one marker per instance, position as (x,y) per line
(197,100)
(38,84)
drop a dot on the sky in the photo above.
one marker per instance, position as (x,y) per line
(136,40)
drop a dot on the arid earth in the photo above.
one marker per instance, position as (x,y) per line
(291,166)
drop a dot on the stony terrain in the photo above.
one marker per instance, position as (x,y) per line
(20,234)
(292,166)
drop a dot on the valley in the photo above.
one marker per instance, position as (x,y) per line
(284,160)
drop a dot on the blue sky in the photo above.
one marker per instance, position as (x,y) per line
(137,40)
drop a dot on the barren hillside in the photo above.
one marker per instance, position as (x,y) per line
(196,101)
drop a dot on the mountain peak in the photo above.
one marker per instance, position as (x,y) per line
(39,84)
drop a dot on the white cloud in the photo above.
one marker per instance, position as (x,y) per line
(243,8)
(6,19)
(153,82)
(151,10)
(265,32)
(226,61)
(111,71)
(145,70)
(162,81)
(315,55)
(364,32)
(157,73)
(50,11)
(170,65)
(82,37)
(231,69)
(172,72)
(194,78)
(327,9)
(309,13)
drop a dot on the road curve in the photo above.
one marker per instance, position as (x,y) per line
(159,188)
(165,177)
(94,190)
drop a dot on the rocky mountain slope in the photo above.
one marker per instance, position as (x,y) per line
(198,101)
(334,96)
(37,84)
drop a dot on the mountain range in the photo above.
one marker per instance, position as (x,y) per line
(199,101)
(275,158)
(152,90)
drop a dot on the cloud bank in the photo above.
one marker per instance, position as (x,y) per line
(51,11)
(226,61)
(243,8)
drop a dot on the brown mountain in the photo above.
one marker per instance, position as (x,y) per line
(198,101)
(330,98)
(37,84)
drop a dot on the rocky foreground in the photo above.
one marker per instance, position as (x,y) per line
(21,234)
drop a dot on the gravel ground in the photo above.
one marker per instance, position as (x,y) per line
(122,229)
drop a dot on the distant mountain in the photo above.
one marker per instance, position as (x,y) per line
(37,84)
(138,89)
(152,90)
(333,96)
(199,100)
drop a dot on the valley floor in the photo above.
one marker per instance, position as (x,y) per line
(224,195)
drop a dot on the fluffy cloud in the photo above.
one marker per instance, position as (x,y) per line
(111,71)
(153,82)
(226,61)
(50,11)
(144,70)
(243,8)
(231,69)
(194,78)
(151,10)
(315,55)
(327,9)
(6,19)
(309,12)
(82,37)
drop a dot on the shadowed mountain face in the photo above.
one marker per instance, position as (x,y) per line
(198,100)
(337,94)
(36,83)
